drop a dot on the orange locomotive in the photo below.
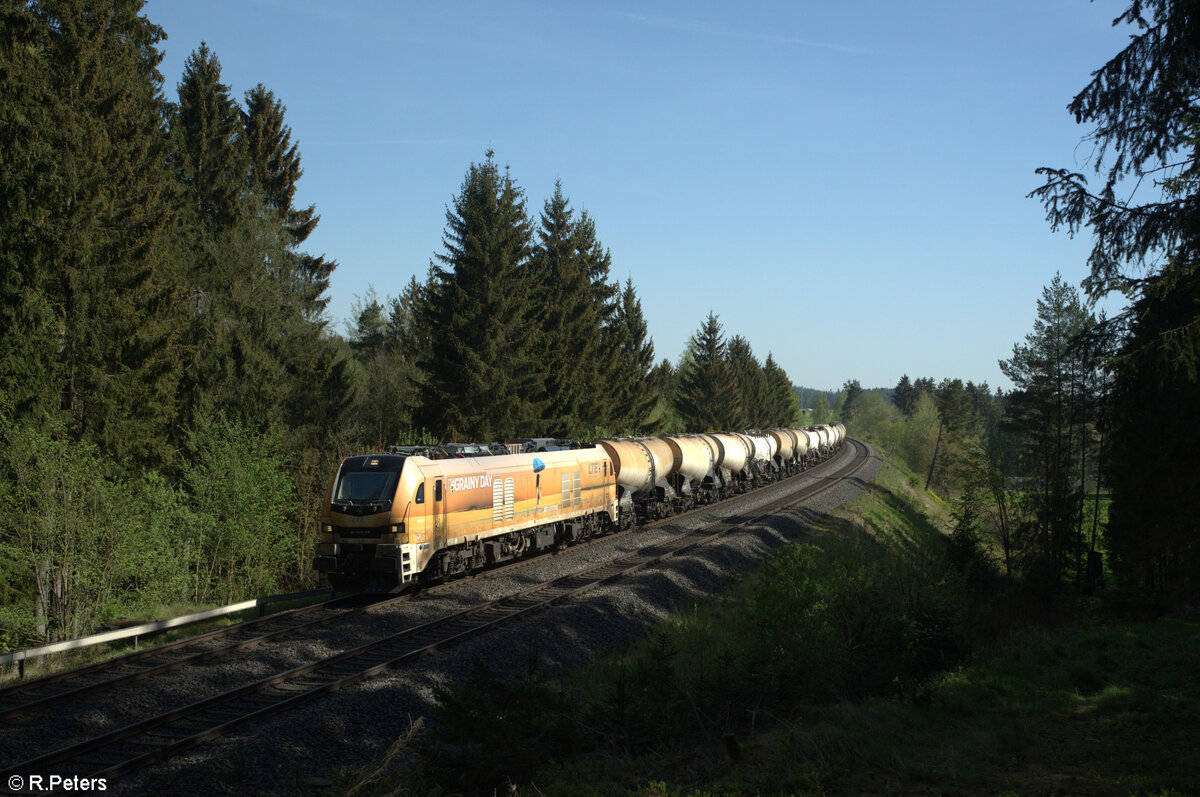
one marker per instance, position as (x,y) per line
(391,517)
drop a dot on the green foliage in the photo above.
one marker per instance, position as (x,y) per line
(89,321)
(1052,414)
(242,497)
(1153,522)
(852,393)
(705,397)
(904,395)
(749,410)
(483,382)
(79,547)
(920,434)
(569,268)
(782,406)
(209,145)
(821,411)
(878,422)
(1142,106)
(845,618)
(637,386)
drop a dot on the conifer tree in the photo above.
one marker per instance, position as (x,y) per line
(783,408)
(255,332)
(29,324)
(1045,411)
(482,381)
(631,353)
(1142,106)
(209,146)
(89,197)
(568,320)
(749,386)
(599,397)
(904,396)
(705,393)
(851,399)
(274,164)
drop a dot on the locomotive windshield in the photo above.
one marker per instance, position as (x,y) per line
(368,479)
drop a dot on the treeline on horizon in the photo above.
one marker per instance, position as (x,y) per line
(173,400)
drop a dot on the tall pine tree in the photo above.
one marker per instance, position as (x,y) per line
(209,146)
(631,354)
(274,163)
(569,321)
(483,382)
(704,396)
(749,386)
(783,408)
(89,201)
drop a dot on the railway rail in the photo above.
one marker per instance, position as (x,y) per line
(159,737)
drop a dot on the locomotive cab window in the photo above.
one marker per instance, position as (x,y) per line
(367,479)
(419,497)
(437,490)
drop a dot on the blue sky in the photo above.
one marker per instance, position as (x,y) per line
(844,184)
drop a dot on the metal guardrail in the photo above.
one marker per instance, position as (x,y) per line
(20,656)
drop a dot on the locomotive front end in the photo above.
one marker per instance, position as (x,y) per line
(365,516)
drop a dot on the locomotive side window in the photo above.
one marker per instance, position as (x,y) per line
(437,490)
(419,498)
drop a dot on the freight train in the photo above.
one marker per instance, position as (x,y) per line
(416,514)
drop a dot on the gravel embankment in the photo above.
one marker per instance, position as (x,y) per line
(298,751)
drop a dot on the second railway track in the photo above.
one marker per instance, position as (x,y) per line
(167,733)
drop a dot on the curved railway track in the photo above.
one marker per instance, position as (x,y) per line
(166,734)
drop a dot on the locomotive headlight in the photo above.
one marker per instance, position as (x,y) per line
(328,529)
(398,528)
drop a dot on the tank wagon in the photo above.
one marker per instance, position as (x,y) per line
(416,514)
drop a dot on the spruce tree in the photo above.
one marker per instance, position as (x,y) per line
(274,169)
(568,321)
(30,108)
(1045,411)
(1142,106)
(255,332)
(749,384)
(209,146)
(705,394)
(483,382)
(90,202)
(599,397)
(631,354)
(904,396)
(851,399)
(783,408)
